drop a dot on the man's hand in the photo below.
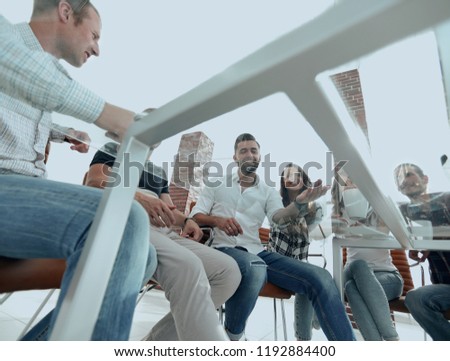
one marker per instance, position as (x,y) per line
(80,140)
(192,230)
(414,255)
(230,226)
(159,212)
(313,193)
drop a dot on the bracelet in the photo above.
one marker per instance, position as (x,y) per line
(186,220)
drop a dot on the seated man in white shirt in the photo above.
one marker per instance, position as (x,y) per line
(236,206)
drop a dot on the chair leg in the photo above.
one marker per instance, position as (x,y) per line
(283,318)
(148,287)
(221,311)
(275,319)
(38,311)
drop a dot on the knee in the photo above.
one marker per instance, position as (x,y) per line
(358,265)
(231,272)
(324,277)
(323,282)
(412,299)
(256,269)
(349,285)
(193,264)
(152,263)
(135,252)
(358,270)
(137,230)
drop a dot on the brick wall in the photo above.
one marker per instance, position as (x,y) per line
(194,151)
(349,86)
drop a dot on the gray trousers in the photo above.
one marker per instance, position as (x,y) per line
(196,280)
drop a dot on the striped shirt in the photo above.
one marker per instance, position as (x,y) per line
(32,85)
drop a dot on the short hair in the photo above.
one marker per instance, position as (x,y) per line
(79,7)
(416,168)
(243,138)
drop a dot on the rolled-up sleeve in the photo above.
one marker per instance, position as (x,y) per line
(38,78)
(273,204)
(204,203)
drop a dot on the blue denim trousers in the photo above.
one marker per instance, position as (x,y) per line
(288,273)
(368,293)
(239,306)
(47,219)
(426,305)
(303,317)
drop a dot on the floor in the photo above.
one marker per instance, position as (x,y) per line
(19,307)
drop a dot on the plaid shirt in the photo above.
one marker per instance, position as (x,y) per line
(292,239)
(33,84)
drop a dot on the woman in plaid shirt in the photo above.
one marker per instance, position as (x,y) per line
(292,239)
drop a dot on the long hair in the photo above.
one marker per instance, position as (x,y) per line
(284,191)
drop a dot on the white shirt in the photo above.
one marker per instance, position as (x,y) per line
(32,84)
(377,259)
(223,197)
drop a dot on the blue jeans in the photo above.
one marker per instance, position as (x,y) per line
(303,316)
(298,277)
(47,219)
(239,306)
(368,293)
(426,305)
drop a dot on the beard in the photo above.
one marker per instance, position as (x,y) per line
(413,192)
(248,167)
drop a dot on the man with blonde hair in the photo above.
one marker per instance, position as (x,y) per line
(46,219)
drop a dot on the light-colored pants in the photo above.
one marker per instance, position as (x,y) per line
(196,280)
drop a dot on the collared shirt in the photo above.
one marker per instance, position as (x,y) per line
(32,84)
(224,197)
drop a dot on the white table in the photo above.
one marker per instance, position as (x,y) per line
(293,64)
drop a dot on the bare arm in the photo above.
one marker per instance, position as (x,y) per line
(302,203)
